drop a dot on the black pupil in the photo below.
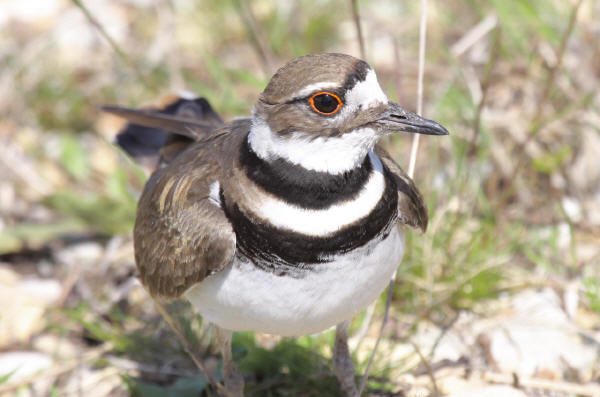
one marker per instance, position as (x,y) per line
(325,103)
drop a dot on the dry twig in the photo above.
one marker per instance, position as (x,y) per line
(485,85)
(359,34)
(186,345)
(591,390)
(428,368)
(422,35)
(104,33)
(474,35)
(388,302)
(259,42)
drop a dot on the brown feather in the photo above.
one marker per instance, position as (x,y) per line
(186,126)
(181,236)
(412,210)
(155,136)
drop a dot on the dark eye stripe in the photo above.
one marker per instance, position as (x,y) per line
(325,103)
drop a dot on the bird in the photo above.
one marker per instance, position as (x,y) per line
(287,222)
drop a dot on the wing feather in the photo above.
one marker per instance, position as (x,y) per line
(182,236)
(412,210)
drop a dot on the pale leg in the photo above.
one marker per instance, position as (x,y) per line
(234,382)
(343,368)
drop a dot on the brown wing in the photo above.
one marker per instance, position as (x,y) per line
(411,207)
(181,235)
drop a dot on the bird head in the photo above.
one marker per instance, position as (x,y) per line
(326,112)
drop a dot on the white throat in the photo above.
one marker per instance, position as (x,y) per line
(334,155)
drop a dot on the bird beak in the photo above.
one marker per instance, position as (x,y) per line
(398,119)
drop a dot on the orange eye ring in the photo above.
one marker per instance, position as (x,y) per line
(324,104)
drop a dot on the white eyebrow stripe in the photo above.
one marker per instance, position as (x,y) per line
(309,89)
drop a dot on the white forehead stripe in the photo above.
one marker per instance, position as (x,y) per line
(309,89)
(326,221)
(366,93)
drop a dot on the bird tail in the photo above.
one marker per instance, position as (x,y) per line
(153,137)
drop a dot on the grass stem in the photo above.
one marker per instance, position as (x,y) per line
(422,36)
(186,345)
(359,33)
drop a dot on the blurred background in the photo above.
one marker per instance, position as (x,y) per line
(500,296)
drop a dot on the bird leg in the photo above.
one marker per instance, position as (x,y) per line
(343,368)
(234,381)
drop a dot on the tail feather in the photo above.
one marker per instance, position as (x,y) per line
(154,137)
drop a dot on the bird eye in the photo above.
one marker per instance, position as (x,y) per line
(325,103)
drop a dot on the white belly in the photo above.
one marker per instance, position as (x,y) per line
(246,298)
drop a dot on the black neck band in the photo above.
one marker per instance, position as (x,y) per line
(298,185)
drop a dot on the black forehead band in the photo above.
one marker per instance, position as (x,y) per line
(356,74)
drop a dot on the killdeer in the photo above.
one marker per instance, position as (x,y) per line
(287,222)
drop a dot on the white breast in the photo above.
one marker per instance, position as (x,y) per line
(245,298)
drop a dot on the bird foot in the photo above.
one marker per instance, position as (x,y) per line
(343,367)
(345,376)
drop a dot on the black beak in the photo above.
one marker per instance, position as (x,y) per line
(398,119)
